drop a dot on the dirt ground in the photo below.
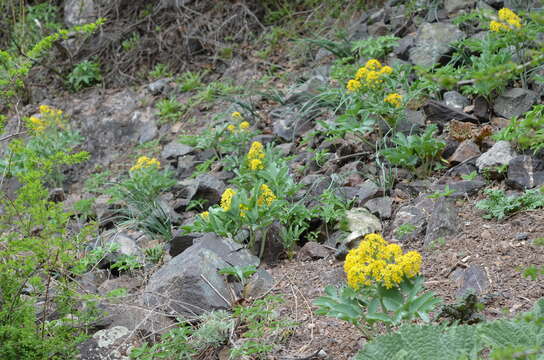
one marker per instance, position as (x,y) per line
(489,244)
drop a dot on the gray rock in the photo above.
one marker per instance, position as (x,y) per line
(185,166)
(462,188)
(312,251)
(159,86)
(181,242)
(455,100)
(289,122)
(500,154)
(441,114)
(105,345)
(361,222)
(466,150)
(79,12)
(514,102)
(124,281)
(205,186)
(433,42)
(368,190)
(190,285)
(358,29)
(258,284)
(443,221)
(525,172)
(305,91)
(174,4)
(473,280)
(413,123)
(378,29)
(174,150)
(380,207)
(273,247)
(125,245)
(453,6)
(410,215)
(522,236)
(415,187)
(402,51)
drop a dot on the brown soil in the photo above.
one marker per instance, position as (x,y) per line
(486,243)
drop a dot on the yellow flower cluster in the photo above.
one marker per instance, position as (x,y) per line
(48,117)
(370,75)
(255,156)
(244,125)
(377,261)
(236,115)
(226,199)
(205,215)
(509,20)
(394,99)
(145,162)
(256,164)
(267,196)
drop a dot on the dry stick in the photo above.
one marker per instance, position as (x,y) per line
(304,357)
(215,290)
(7,137)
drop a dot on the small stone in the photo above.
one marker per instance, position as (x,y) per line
(361,222)
(174,149)
(466,150)
(525,172)
(159,86)
(455,100)
(312,251)
(474,280)
(486,235)
(500,154)
(514,102)
(522,236)
(444,221)
(259,283)
(380,206)
(441,114)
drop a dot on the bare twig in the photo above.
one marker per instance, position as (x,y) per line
(215,290)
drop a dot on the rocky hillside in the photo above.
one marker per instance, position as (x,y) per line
(272,180)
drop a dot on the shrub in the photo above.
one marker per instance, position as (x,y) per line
(84,74)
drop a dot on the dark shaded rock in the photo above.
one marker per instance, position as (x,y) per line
(312,251)
(450,148)
(57,195)
(443,221)
(358,29)
(183,284)
(441,114)
(380,207)
(415,188)
(175,149)
(402,51)
(473,280)
(205,186)
(185,166)
(259,283)
(466,150)
(522,236)
(181,242)
(433,43)
(455,100)
(500,154)
(481,108)
(525,172)
(514,102)
(273,247)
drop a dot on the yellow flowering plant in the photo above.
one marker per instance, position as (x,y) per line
(383,285)
(139,191)
(49,147)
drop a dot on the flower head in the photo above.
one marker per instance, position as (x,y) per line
(361,73)
(244,125)
(145,162)
(205,215)
(37,124)
(231,128)
(373,78)
(267,196)
(256,151)
(226,199)
(376,261)
(256,164)
(373,64)
(386,70)
(236,115)
(394,99)
(496,26)
(353,85)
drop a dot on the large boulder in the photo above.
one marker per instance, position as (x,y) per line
(190,284)
(79,12)
(433,42)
